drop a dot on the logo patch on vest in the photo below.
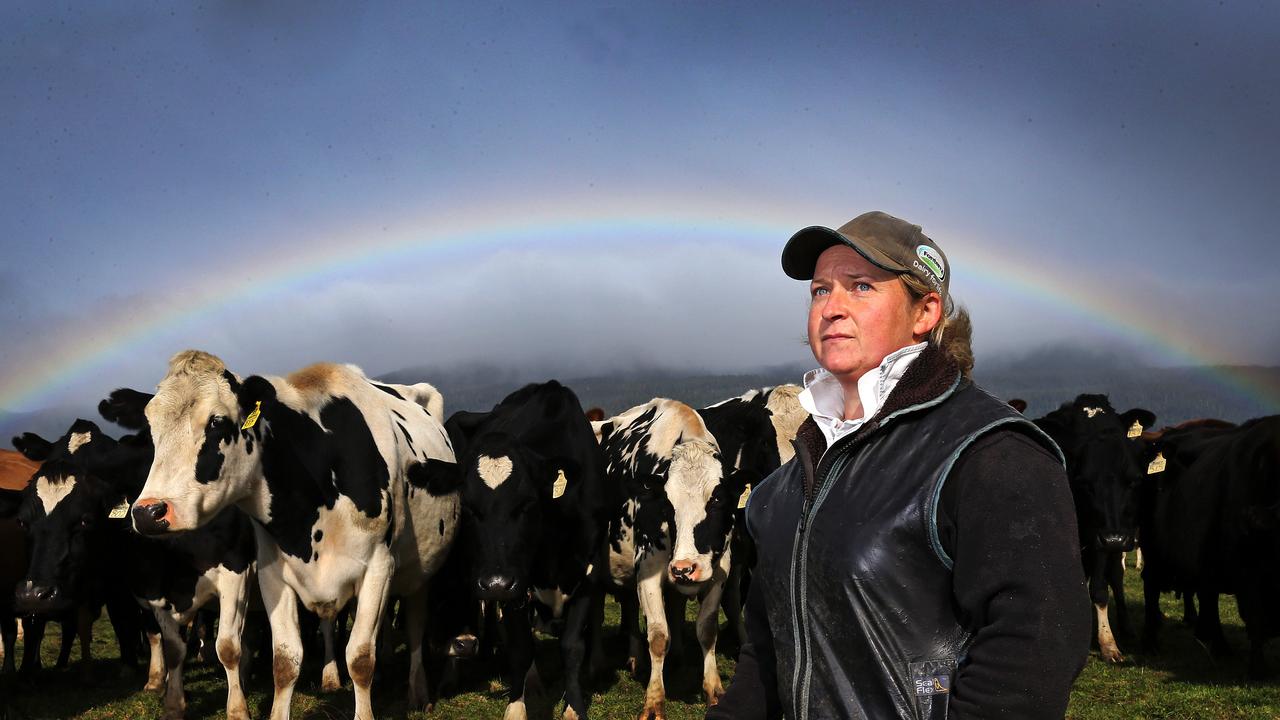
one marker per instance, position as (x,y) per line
(932,682)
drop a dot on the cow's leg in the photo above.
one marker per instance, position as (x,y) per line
(175,657)
(1098,593)
(573,648)
(362,644)
(1189,614)
(732,603)
(630,623)
(649,592)
(70,628)
(329,679)
(233,604)
(707,626)
(31,647)
(281,603)
(1138,560)
(1209,627)
(675,604)
(1115,579)
(415,610)
(84,628)
(519,671)
(595,633)
(155,646)
(1152,618)
(9,634)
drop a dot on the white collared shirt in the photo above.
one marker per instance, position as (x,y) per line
(823,396)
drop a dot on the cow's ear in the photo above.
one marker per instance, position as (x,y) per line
(33,447)
(461,427)
(125,407)
(255,393)
(437,477)
(1145,418)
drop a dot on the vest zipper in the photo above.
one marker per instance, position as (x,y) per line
(799,559)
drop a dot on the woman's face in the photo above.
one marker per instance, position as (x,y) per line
(858,314)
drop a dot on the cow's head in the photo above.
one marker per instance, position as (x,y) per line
(505,492)
(65,512)
(1105,465)
(703,497)
(207,443)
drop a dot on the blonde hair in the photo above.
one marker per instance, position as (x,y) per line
(954,331)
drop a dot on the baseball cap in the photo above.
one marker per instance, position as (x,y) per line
(885,241)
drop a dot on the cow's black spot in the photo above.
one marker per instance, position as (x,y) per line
(389,390)
(318,536)
(407,438)
(209,459)
(437,477)
(442,527)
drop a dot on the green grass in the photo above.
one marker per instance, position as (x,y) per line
(1182,682)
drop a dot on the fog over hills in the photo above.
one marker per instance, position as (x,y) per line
(1044,378)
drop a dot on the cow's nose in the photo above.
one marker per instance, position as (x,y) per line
(33,597)
(683,570)
(464,646)
(1113,542)
(496,587)
(151,517)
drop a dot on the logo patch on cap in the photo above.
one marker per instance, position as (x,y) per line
(932,260)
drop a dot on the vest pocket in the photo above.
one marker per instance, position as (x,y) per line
(931,682)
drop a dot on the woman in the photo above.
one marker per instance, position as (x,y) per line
(917,558)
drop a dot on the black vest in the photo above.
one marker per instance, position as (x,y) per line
(857,585)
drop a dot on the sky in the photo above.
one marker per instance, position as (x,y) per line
(592,187)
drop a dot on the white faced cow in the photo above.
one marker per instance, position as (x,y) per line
(351,484)
(673,529)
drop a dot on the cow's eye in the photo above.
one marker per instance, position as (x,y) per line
(86,521)
(22,524)
(217,422)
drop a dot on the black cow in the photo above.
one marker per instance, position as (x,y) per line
(754,431)
(72,547)
(535,507)
(1212,526)
(1104,455)
(671,532)
(79,534)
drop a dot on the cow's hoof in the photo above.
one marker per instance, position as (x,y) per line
(1112,656)
(153,686)
(713,694)
(329,680)
(657,711)
(571,714)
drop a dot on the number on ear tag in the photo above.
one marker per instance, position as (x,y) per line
(742,500)
(119,511)
(561,483)
(1157,465)
(1135,429)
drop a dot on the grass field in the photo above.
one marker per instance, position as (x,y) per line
(1183,682)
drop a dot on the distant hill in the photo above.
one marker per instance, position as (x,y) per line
(1173,394)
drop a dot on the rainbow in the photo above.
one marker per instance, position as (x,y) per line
(463,234)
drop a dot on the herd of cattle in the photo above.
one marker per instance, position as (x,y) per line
(359,502)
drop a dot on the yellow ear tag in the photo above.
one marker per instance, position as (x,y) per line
(1157,465)
(1135,429)
(561,483)
(253,416)
(119,511)
(742,499)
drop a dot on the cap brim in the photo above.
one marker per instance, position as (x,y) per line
(800,256)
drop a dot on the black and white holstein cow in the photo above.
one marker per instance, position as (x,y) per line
(351,484)
(79,536)
(755,429)
(672,530)
(535,542)
(1104,454)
